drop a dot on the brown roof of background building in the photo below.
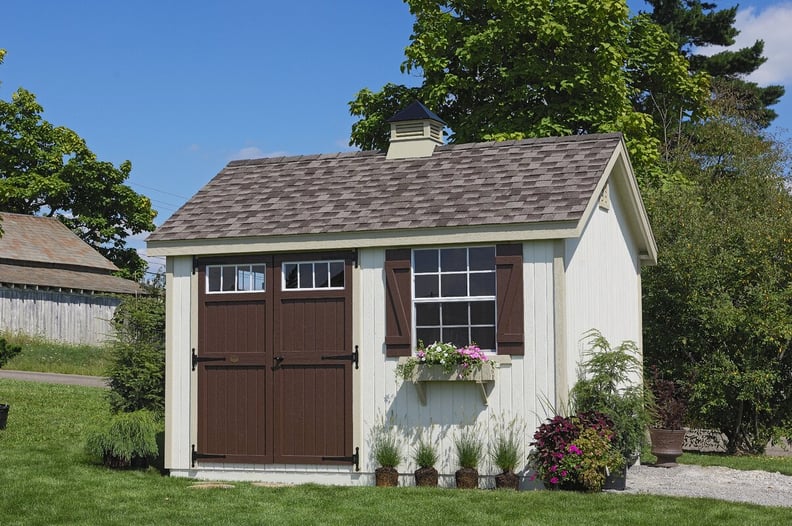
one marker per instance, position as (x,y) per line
(42,251)
(512,182)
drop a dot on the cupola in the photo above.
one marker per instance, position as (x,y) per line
(414,132)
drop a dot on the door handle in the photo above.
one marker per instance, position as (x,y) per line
(277,360)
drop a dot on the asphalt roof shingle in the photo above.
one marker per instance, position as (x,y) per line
(512,182)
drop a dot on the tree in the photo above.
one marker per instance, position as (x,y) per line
(718,306)
(694,24)
(49,170)
(516,68)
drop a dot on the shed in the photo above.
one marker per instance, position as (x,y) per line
(54,285)
(295,285)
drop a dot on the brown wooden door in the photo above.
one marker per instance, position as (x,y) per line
(313,381)
(234,374)
(274,377)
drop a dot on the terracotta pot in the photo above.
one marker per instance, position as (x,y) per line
(466,478)
(667,446)
(426,477)
(386,477)
(507,480)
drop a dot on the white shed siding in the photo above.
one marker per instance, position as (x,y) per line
(603,282)
(178,375)
(519,386)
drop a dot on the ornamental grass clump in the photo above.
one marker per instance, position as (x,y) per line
(469,450)
(575,452)
(425,456)
(129,440)
(462,360)
(387,453)
(506,452)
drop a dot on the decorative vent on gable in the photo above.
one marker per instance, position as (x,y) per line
(604,200)
(407,129)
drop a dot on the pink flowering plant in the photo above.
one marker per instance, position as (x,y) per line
(575,452)
(462,360)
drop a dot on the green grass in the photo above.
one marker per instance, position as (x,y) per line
(46,478)
(781,465)
(50,357)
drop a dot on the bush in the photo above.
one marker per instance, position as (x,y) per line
(609,383)
(575,452)
(137,373)
(7,351)
(128,440)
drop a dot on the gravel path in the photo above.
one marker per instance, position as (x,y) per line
(757,487)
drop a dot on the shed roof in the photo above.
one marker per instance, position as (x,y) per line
(480,184)
(42,251)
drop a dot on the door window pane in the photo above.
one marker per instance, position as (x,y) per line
(235,278)
(322,275)
(213,278)
(259,280)
(229,278)
(290,275)
(337,274)
(306,276)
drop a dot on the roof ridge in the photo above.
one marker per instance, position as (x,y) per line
(302,157)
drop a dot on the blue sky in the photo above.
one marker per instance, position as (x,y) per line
(180,88)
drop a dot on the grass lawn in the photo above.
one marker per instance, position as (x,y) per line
(49,357)
(46,478)
(781,465)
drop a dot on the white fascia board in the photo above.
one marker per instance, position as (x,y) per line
(369,239)
(619,172)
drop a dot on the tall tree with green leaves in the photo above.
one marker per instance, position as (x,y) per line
(718,306)
(693,25)
(518,68)
(49,170)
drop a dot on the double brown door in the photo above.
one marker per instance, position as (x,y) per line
(274,359)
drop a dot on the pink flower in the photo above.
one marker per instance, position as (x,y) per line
(564,473)
(553,468)
(574,449)
(553,480)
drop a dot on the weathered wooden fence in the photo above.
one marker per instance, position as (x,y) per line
(68,317)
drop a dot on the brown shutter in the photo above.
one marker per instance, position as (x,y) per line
(398,303)
(511,332)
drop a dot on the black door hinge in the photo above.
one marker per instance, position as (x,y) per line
(353,459)
(197,359)
(197,456)
(351,357)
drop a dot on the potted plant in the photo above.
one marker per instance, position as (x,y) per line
(610,382)
(6,353)
(425,456)
(386,451)
(669,407)
(505,454)
(469,450)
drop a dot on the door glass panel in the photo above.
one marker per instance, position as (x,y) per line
(213,279)
(229,278)
(337,274)
(259,280)
(290,275)
(306,276)
(321,275)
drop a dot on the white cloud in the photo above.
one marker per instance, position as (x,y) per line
(254,152)
(772,24)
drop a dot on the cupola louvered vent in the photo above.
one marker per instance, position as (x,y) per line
(415,131)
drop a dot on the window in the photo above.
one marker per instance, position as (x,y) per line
(313,275)
(400,330)
(235,278)
(454,295)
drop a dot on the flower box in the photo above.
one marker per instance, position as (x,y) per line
(482,376)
